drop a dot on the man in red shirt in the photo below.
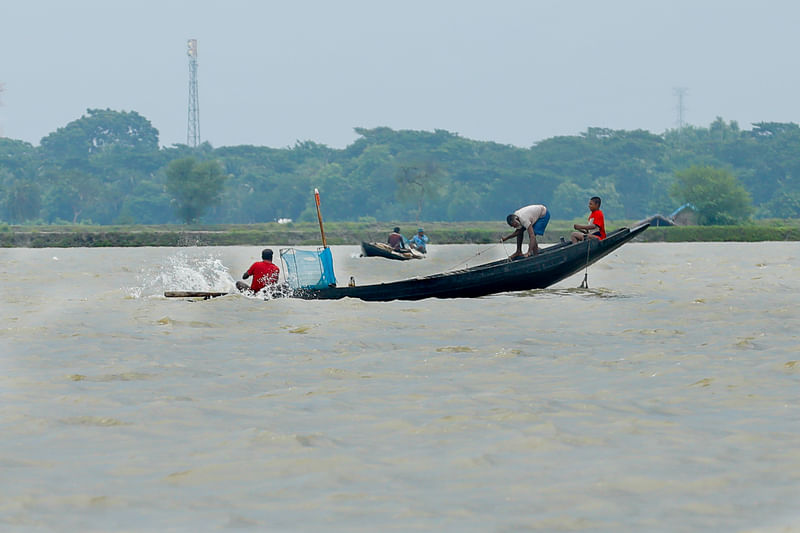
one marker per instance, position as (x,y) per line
(396,240)
(596,228)
(264,273)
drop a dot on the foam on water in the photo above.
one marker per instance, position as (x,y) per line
(200,271)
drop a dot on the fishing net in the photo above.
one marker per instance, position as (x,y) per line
(308,270)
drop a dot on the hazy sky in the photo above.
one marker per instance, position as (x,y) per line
(511,71)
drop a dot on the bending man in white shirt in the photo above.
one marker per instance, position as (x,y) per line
(532,219)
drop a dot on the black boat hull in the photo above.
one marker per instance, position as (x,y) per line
(552,265)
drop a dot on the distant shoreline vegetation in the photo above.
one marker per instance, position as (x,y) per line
(353,233)
(108,168)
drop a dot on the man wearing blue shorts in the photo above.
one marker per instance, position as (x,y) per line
(531,218)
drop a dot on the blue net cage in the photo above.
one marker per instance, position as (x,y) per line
(308,270)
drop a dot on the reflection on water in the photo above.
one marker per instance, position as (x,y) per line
(664,397)
(570,291)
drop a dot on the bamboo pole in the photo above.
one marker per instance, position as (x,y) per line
(319,217)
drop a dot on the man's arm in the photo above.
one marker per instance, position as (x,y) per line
(586,228)
(516,232)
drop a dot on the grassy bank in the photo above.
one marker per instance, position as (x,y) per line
(308,234)
(752,233)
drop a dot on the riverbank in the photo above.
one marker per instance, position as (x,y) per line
(308,233)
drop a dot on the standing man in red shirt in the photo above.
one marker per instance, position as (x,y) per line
(264,273)
(596,228)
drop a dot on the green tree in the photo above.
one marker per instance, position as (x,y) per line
(74,195)
(22,201)
(462,199)
(148,203)
(418,183)
(194,186)
(716,193)
(373,170)
(660,200)
(20,195)
(785,204)
(566,202)
(98,130)
(18,157)
(570,200)
(113,150)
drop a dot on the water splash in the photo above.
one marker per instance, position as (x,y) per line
(271,292)
(183,271)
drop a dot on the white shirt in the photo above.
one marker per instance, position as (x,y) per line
(529,214)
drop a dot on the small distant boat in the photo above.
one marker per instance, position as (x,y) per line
(379,249)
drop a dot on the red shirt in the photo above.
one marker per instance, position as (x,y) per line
(596,218)
(395,240)
(264,273)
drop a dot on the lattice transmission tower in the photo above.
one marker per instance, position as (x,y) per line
(2,88)
(680,108)
(193,127)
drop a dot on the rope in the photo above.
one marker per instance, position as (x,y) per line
(585,282)
(464,262)
(505,251)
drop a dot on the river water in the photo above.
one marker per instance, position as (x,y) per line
(665,397)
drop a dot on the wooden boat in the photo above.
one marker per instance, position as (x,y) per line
(379,249)
(552,265)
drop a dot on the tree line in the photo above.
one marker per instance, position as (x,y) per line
(107,167)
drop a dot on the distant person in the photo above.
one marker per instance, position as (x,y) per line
(420,241)
(396,240)
(531,218)
(596,227)
(264,272)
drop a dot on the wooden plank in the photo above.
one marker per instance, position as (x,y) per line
(193,294)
